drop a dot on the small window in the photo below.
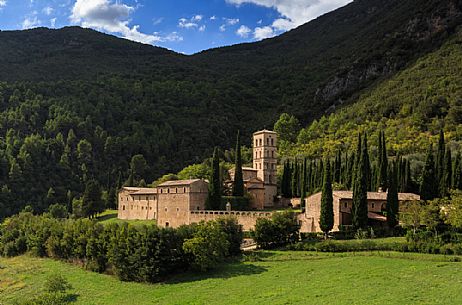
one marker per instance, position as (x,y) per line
(142,208)
(198,208)
(150,208)
(256,142)
(123,208)
(147,198)
(346,204)
(184,190)
(167,224)
(166,209)
(272,142)
(168,190)
(177,209)
(161,191)
(373,205)
(267,141)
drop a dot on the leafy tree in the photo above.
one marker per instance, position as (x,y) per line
(453,215)
(412,215)
(238,185)
(287,128)
(282,229)
(430,215)
(440,164)
(92,202)
(138,166)
(326,220)
(58,211)
(208,247)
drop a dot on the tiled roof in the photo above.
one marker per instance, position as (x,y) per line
(180,182)
(376,195)
(140,190)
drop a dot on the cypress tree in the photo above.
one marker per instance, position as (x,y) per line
(294,184)
(456,173)
(326,220)
(303,187)
(360,208)
(383,163)
(392,199)
(238,186)
(447,175)
(429,183)
(440,163)
(214,196)
(130,180)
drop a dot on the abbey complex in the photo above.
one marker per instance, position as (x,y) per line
(181,202)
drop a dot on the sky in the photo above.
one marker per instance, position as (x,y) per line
(185,26)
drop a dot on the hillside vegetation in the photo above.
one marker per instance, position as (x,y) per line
(410,107)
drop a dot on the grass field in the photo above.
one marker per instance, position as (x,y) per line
(270,277)
(110,216)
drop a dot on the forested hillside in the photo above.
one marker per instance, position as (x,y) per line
(411,107)
(76,105)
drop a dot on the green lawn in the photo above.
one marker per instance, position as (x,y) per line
(110,216)
(269,278)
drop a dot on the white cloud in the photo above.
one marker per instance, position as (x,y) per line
(295,12)
(172,37)
(243,31)
(192,23)
(111,17)
(222,28)
(53,22)
(31,22)
(232,21)
(263,32)
(197,18)
(202,28)
(213,18)
(47,10)
(2,4)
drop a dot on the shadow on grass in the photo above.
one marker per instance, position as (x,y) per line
(106,217)
(225,271)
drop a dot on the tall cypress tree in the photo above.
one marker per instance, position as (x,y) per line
(447,174)
(360,209)
(326,220)
(440,163)
(429,182)
(383,163)
(214,196)
(238,186)
(457,173)
(303,187)
(392,198)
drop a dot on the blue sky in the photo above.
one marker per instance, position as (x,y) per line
(186,26)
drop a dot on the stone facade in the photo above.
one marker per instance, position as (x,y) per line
(343,202)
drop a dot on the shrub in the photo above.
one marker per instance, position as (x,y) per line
(282,229)
(56,283)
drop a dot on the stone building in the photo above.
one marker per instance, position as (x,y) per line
(343,202)
(260,181)
(169,204)
(176,203)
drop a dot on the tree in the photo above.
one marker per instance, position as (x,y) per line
(238,186)
(383,163)
(287,128)
(430,215)
(138,167)
(359,209)
(92,202)
(282,229)
(303,184)
(214,196)
(440,157)
(326,221)
(454,210)
(208,247)
(58,211)
(411,214)
(446,181)
(429,183)
(392,199)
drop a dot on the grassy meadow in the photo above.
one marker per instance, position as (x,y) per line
(110,216)
(269,277)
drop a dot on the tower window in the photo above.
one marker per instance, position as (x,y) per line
(272,142)
(267,141)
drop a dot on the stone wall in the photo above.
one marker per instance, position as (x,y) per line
(246,219)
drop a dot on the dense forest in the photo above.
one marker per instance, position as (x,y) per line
(78,106)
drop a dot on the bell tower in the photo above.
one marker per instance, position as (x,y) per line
(265,162)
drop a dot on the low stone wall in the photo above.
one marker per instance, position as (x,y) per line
(245,218)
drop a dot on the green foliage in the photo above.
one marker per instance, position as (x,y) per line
(429,183)
(392,198)
(58,211)
(326,220)
(360,205)
(238,184)
(208,247)
(282,229)
(215,192)
(56,283)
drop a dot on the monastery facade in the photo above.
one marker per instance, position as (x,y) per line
(176,203)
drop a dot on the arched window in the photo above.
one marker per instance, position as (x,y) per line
(272,142)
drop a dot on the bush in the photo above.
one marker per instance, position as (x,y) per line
(56,283)
(58,211)
(282,229)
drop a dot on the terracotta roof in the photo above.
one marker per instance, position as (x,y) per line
(376,216)
(264,131)
(376,195)
(180,182)
(140,190)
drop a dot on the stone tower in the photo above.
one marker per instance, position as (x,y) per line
(265,162)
